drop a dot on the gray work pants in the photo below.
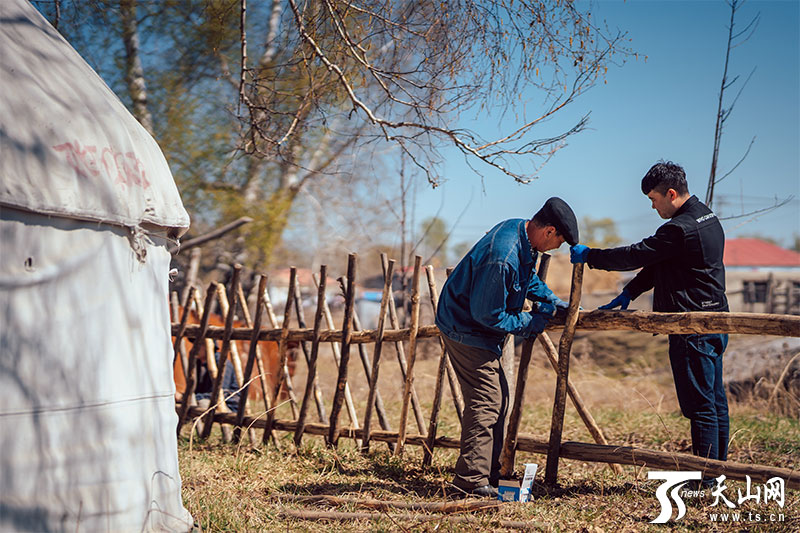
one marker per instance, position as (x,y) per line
(485,389)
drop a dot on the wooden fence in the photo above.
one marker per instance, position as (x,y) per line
(405,342)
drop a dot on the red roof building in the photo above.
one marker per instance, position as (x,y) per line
(755,254)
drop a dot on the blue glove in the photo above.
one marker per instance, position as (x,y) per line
(623,301)
(578,253)
(538,324)
(546,308)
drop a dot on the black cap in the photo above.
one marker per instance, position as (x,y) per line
(555,212)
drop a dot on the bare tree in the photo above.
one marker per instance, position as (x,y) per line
(735,38)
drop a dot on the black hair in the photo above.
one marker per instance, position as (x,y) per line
(542,219)
(665,175)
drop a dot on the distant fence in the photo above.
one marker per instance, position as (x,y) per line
(404,342)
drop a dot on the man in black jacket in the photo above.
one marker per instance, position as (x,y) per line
(682,262)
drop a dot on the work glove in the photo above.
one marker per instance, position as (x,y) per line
(622,301)
(546,308)
(578,253)
(538,323)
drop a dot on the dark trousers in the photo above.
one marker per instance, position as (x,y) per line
(696,362)
(485,390)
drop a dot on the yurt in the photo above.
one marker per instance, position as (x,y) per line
(87,208)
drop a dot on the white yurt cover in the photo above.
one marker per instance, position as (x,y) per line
(87,419)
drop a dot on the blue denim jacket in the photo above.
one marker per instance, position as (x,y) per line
(481,301)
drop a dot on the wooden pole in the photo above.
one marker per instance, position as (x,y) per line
(191,274)
(301,321)
(337,358)
(284,369)
(440,372)
(311,379)
(577,401)
(216,391)
(509,451)
(365,363)
(282,351)
(401,355)
(564,347)
(597,320)
(261,294)
(191,379)
(411,518)
(234,349)
(252,355)
(177,347)
(412,356)
(341,382)
(211,362)
(376,355)
(459,506)
(455,387)
(578,451)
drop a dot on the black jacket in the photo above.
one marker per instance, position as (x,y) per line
(682,261)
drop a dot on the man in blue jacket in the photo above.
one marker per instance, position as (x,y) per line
(480,305)
(682,262)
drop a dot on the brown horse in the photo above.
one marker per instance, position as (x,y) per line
(269,358)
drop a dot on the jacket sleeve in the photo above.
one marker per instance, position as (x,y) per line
(641,283)
(667,242)
(487,303)
(538,291)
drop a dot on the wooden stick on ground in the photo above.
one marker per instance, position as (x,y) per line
(440,372)
(577,401)
(412,357)
(408,517)
(191,380)
(341,382)
(564,348)
(301,321)
(376,355)
(510,443)
(216,391)
(311,379)
(401,354)
(282,351)
(337,358)
(458,506)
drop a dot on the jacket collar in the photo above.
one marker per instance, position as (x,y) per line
(686,205)
(527,254)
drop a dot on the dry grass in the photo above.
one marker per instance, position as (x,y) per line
(230,488)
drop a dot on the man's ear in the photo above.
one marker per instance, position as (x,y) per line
(672,194)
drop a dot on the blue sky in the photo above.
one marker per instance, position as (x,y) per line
(663,107)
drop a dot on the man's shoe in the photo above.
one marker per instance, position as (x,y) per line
(486,491)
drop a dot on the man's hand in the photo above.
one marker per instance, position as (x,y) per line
(622,301)
(578,253)
(546,308)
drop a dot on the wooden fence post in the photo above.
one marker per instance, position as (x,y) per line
(301,321)
(564,347)
(401,356)
(341,382)
(311,379)
(252,355)
(412,356)
(191,379)
(376,356)
(427,456)
(282,350)
(510,444)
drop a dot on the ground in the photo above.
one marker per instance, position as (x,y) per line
(625,381)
